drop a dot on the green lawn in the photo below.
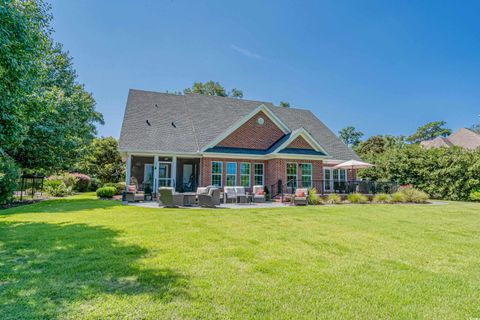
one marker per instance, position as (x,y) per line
(85,258)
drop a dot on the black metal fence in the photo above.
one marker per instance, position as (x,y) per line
(329,186)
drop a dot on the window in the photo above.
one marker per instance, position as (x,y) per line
(258,174)
(306,175)
(231,174)
(245,174)
(217,173)
(292,175)
(327,182)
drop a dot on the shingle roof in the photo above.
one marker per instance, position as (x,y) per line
(187,123)
(463,137)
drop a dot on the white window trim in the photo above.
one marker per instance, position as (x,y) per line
(216,174)
(249,174)
(255,175)
(230,174)
(296,172)
(332,180)
(309,175)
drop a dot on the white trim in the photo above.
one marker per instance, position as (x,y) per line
(212,174)
(279,123)
(305,135)
(330,180)
(231,174)
(128,171)
(304,175)
(155,174)
(296,173)
(249,174)
(259,175)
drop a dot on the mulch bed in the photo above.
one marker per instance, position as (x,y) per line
(19,203)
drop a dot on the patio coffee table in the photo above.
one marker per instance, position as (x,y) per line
(189,198)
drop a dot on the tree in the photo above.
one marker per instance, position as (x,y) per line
(24,37)
(284,104)
(476,127)
(102,161)
(213,88)
(350,136)
(429,131)
(65,118)
(235,93)
(376,145)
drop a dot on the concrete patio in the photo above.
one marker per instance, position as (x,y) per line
(154,204)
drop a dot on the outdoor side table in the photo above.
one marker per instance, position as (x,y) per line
(147,197)
(189,198)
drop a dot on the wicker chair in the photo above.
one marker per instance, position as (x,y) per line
(258,197)
(241,195)
(132,194)
(230,194)
(300,200)
(211,199)
(168,198)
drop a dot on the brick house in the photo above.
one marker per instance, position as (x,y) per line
(192,140)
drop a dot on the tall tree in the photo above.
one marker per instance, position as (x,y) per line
(24,37)
(65,118)
(350,136)
(430,131)
(284,104)
(213,88)
(46,115)
(102,161)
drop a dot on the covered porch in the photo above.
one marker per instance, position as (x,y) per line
(150,172)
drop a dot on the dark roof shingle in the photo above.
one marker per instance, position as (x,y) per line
(187,123)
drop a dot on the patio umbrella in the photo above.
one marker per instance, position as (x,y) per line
(353,164)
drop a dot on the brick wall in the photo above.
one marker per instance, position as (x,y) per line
(299,143)
(252,135)
(274,170)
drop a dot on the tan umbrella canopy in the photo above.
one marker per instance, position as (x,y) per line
(353,164)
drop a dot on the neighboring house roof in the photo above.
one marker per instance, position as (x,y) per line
(438,142)
(463,137)
(191,122)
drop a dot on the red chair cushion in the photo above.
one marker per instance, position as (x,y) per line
(131,188)
(299,193)
(259,192)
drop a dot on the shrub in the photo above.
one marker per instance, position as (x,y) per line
(334,198)
(95,183)
(82,182)
(381,198)
(413,195)
(357,198)
(397,197)
(106,192)
(119,186)
(8,178)
(60,185)
(475,195)
(313,197)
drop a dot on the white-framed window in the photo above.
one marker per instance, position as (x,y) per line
(258,174)
(217,167)
(334,178)
(306,175)
(231,174)
(245,174)
(292,175)
(327,179)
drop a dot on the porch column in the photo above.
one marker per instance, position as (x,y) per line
(174,171)
(128,171)
(155,174)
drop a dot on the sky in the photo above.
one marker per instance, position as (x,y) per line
(384,67)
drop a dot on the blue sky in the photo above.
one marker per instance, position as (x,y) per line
(383,67)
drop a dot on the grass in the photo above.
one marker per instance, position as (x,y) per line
(85,258)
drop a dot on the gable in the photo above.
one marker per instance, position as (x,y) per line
(300,143)
(253,135)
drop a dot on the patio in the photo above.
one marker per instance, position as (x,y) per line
(265,205)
